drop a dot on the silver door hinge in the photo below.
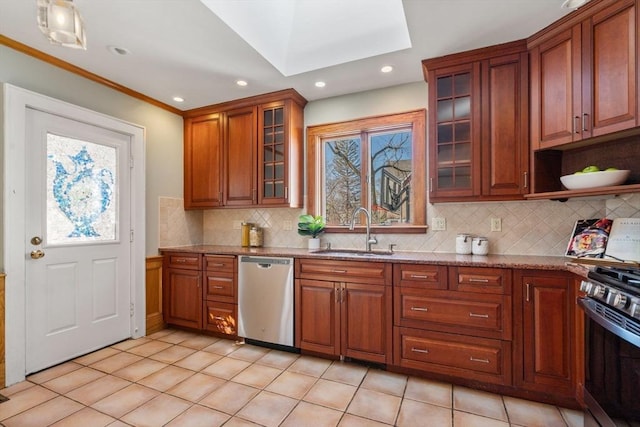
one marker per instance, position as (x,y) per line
(131,309)
(130,235)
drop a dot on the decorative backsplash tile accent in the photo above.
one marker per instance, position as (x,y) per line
(528,227)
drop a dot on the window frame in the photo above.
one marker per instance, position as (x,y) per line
(366,126)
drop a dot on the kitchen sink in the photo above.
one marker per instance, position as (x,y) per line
(352,252)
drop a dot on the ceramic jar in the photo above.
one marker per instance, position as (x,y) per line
(480,246)
(463,244)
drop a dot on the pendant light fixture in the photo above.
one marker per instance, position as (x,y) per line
(61,22)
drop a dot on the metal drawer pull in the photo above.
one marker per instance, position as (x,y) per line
(473,359)
(338,271)
(418,276)
(419,309)
(419,350)
(218,287)
(478,280)
(216,265)
(180,260)
(485,316)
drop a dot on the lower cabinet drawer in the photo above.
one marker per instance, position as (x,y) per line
(463,356)
(221,317)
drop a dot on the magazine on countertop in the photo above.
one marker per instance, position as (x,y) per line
(615,240)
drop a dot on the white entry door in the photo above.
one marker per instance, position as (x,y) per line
(78,222)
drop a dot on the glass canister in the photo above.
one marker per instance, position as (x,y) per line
(245,231)
(255,237)
(463,244)
(480,246)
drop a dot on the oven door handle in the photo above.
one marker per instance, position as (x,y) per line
(589,307)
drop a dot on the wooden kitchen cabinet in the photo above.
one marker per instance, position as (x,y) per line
(478,124)
(584,75)
(182,289)
(220,297)
(544,350)
(258,159)
(347,312)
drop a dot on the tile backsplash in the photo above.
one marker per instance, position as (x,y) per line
(528,227)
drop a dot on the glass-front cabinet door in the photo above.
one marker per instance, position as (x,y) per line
(455,132)
(272,154)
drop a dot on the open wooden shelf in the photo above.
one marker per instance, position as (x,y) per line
(599,191)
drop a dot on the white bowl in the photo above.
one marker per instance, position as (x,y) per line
(594,179)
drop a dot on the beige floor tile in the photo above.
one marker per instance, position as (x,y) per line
(15,388)
(172,354)
(278,359)
(375,406)
(434,392)
(479,402)
(465,419)
(86,417)
(222,347)
(292,384)
(177,337)
(226,368)
(90,358)
(55,372)
(147,349)
(118,423)
(116,362)
(196,387)
(532,414)
(25,399)
(160,333)
(331,394)
(73,380)
(411,411)
(347,373)
(268,409)
(257,376)
(572,417)
(349,420)
(125,400)
(98,389)
(229,398)
(166,378)
(156,412)
(199,416)
(239,422)
(249,353)
(45,414)
(308,365)
(140,369)
(385,382)
(199,342)
(310,415)
(128,344)
(198,360)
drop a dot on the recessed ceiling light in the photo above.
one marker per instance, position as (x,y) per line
(178,99)
(320,84)
(241,82)
(574,4)
(116,50)
(386,69)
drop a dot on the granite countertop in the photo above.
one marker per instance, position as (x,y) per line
(497,261)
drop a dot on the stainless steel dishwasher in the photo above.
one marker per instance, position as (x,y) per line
(265,299)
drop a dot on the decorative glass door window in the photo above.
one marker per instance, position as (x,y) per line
(274,154)
(82,196)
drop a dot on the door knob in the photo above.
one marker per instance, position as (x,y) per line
(37,254)
(35,240)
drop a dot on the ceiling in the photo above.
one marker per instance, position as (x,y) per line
(181,48)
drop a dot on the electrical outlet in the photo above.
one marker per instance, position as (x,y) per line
(496,224)
(438,224)
(287,225)
(237,224)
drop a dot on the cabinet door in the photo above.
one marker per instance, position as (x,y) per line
(556,92)
(221,318)
(203,162)
(317,316)
(610,92)
(240,157)
(454,114)
(505,125)
(546,339)
(183,297)
(366,322)
(273,153)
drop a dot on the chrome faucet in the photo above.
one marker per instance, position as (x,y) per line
(370,240)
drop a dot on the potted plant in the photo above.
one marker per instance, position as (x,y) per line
(312,226)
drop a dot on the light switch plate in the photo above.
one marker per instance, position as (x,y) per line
(438,224)
(496,224)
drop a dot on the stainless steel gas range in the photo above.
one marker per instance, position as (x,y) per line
(612,346)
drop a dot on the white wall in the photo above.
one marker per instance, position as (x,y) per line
(163,129)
